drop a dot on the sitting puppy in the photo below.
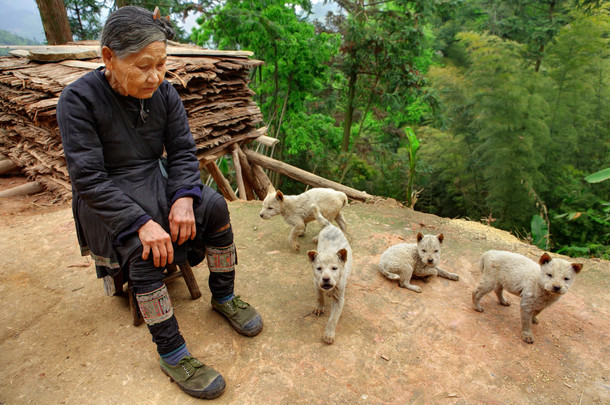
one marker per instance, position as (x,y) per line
(406,260)
(296,210)
(539,284)
(331,265)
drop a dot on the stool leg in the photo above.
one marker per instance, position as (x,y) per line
(190,280)
(133,306)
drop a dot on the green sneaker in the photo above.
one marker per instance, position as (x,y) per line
(242,316)
(195,378)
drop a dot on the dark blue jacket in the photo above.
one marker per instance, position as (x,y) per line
(113,145)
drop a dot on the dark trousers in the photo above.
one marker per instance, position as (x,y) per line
(211,215)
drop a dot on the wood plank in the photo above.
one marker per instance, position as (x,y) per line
(196,51)
(81,64)
(304,176)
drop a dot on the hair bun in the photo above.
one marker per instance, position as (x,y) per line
(167,28)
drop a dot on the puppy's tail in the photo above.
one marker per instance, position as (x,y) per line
(316,212)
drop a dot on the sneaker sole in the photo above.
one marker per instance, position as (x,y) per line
(249,333)
(208,394)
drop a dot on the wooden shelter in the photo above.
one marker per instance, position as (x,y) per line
(212,84)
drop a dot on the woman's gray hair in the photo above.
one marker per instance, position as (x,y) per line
(130,29)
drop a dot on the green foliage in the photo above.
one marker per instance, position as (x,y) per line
(602,175)
(84,17)
(412,148)
(540,232)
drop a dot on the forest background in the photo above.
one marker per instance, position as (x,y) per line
(493,110)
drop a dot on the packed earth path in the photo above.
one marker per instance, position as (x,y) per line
(63,341)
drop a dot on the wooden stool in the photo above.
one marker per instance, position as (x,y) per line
(172,273)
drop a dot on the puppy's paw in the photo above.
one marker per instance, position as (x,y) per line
(505,303)
(296,247)
(478,308)
(328,338)
(411,287)
(527,337)
(535,320)
(453,277)
(318,311)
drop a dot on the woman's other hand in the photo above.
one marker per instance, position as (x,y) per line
(182,220)
(156,241)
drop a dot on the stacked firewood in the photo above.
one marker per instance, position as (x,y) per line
(212,84)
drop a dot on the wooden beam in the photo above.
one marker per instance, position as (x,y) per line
(223,184)
(248,173)
(24,189)
(240,180)
(304,176)
(267,140)
(7,166)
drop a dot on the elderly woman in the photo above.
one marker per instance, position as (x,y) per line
(136,209)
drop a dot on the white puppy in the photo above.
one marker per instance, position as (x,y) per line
(296,210)
(331,265)
(539,284)
(407,260)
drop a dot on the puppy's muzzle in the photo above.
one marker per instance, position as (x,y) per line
(326,285)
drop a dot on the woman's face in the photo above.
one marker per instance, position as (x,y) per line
(138,74)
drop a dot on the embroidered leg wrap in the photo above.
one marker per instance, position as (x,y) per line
(221,263)
(221,260)
(155,306)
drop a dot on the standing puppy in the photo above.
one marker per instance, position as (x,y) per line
(539,284)
(406,260)
(331,265)
(297,209)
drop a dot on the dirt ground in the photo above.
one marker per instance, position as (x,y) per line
(63,341)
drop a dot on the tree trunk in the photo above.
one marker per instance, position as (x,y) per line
(349,111)
(55,21)
(541,50)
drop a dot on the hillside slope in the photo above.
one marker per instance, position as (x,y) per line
(63,341)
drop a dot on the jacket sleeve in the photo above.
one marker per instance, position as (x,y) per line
(85,160)
(183,165)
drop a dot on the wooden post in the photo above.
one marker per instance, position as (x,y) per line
(260,175)
(260,191)
(237,166)
(304,176)
(223,184)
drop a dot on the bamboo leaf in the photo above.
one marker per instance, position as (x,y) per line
(599,176)
(540,232)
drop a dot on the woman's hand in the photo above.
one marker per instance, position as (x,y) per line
(182,220)
(156,241)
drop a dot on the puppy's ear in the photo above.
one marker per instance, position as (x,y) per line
(279,195)
(419,236)
(577,267)
(342,254)
(544,259)
(440,238)
(312,255)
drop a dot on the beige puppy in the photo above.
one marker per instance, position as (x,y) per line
(407,260)
(539,284)
(331,265)
(296,210)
